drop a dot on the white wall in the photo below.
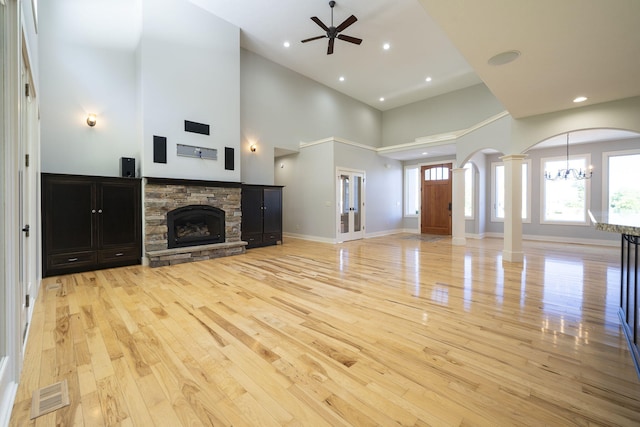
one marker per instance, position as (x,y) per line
(553,231)
(186,67)
(189,70)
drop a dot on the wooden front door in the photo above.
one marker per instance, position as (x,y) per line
(436,199)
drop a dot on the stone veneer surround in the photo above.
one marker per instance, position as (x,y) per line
(162,195)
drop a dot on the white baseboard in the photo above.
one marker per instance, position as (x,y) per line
(383,233)
(309,238)
(559,239)
(6,402)
(475,236)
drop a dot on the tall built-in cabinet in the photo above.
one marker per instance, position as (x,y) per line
(261,215)
(90,223)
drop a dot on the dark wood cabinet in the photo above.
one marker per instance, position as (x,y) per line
(89,223)
(261,215)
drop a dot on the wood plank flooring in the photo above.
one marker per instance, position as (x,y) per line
(385,331)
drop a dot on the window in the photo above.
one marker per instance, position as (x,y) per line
(412,190)
(623,193)
(438,173)
(564,201)
(468,190)
(498,192)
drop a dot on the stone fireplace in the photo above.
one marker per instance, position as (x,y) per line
(191,220)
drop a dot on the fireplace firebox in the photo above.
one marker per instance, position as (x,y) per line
(195,225)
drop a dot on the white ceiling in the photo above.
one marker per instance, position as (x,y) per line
(419,49)
(568,48)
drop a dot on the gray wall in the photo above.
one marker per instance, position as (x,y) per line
(445,113)
(383,187)
(281,108)
(309,179)
(309,192)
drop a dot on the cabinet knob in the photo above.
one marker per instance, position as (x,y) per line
(93,211)
(99,210)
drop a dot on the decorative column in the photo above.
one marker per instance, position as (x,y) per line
(513,208)
(458,225)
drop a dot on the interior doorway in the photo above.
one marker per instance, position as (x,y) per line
(435,212)
(350,203)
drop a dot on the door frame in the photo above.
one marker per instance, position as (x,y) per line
(454,164)
(11,349)
(351,235)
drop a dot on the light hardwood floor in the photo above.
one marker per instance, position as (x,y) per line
(385,331)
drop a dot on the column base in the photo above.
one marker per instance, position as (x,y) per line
(459,241)
(512,256)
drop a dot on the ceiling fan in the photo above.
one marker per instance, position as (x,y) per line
(334,32)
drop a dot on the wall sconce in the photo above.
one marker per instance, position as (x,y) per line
(91,120)
(253,148)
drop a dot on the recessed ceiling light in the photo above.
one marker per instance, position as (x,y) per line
(286,44)
(381,99)
(425,153)
(341,78)
(386,46)
(580,99)
(504,57)
(428,79)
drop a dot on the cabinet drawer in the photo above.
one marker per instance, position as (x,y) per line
(252,239)
(71,260)
(117,255)
(271,238)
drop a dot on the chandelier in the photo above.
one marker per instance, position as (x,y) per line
(568,172)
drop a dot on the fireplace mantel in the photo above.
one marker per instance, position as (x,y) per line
(192,182)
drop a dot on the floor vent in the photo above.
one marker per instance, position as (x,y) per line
(50,398)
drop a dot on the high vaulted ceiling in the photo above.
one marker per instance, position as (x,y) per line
(418,47)
(568,48)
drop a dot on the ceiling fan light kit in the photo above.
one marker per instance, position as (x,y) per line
(332,32)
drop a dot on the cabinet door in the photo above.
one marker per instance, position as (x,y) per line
(272,220)
(68,215)
(118,214)
(252,216)
(251,210)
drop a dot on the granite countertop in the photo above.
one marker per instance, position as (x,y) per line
(623,225)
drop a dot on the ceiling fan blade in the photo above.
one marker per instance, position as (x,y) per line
(330,48)
(350,20)
(320,23)
(350,39)
(314,38)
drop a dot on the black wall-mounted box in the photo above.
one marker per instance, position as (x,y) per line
(127,167)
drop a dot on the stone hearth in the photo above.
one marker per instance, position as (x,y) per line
(162,195)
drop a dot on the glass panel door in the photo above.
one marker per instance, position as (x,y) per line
(350,199)
(345,204)
(357,202)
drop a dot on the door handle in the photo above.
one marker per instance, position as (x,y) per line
(26,229)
